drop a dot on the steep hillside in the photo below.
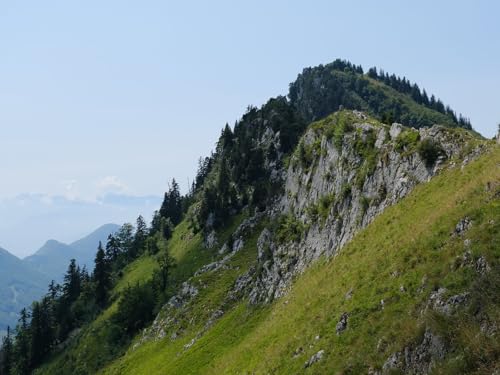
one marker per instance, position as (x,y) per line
(53,257)
(417,289)
(20,284)
(346,170)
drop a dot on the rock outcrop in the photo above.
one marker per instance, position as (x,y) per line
(417,359)
(333,187)
(336,186)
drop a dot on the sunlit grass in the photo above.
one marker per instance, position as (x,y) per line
(408,246)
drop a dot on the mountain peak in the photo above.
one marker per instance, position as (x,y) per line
(6,253)
(91,241)
(51,246)
(53,257)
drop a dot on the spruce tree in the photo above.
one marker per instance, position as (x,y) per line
(36,336)
(101,277)
(172,204)
(21,363)
(226,140)
(72,282)
(112,248)
(125,237)
(139,241)
(155,223)
(166,263)
(6,354)
(54,290)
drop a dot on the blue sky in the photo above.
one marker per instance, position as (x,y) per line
(121,96)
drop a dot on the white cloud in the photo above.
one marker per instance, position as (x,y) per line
(111,184)
(70,189)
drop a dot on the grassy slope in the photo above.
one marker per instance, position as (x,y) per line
(412,106)
(412,238)
(392,94)
(89,351)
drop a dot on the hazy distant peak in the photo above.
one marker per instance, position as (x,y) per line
(53,246)
(91,241)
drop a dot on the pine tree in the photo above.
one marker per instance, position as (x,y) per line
(6,354)
(21,346)
(54,290)
(139,241)
(101,277)
(72,282)
(175,203)
(112,248)
(47,324)
(372,73)
(166,263)
(71,290)
(36,334)
(432,102)
(425,98)
(166,228)
(204,167)
(155,223)
(172,204)
(226,140)
(125,237)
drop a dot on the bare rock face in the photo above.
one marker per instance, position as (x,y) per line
(417,359)
(395,130)
(446,306)
(342,324)
(315,358)
(355,193)
(482,266)
(165,319)
(211,240)
(186,293)
(462,226)
(340,189)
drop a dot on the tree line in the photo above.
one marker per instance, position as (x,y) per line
(403,85)
(69,306)
(320,91)
(237,174)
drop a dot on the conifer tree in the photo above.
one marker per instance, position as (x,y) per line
(125,237)
(425,98)
(166,263)
(72,282)
(139,241)
(112,248)
(54,290)
(172,204)
(36,335)
(155,223)
(6,354)
(101,277)
(21,363)
(226,140)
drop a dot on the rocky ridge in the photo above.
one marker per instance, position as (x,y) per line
(331,193)
(344,187)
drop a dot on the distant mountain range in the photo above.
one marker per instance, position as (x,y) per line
(20,284)
(59,217)
(24,280)
(53,257)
